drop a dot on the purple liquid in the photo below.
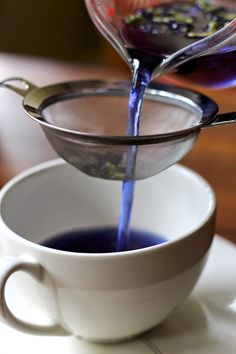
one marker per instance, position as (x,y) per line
(214,71)
(140,83)
(100,240)
(149,40)
(152,39)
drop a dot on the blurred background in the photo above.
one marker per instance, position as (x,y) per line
(48,41)
(53,29)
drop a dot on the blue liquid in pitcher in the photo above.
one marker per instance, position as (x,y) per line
(100,240)
(151,35)
(154,33)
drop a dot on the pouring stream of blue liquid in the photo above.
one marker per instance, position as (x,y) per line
(141,79)
(153,48)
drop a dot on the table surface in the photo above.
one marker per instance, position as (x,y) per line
(22,143)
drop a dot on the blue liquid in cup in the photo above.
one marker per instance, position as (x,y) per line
(102,240)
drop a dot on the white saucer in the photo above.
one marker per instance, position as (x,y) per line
(205,324)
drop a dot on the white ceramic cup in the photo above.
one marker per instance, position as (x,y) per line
(100,297)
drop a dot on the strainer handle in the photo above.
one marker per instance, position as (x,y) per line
(18,85)
(224,118)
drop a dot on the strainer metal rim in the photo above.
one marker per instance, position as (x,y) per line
(40,98)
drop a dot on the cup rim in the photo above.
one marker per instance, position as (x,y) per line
(40,168)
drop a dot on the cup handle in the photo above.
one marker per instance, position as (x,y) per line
(8,266)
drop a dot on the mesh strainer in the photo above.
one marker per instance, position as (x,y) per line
(86,121)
